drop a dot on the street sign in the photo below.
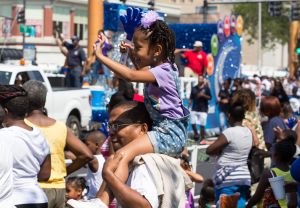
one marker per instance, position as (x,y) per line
(22,28)
(29,52)
(243,1)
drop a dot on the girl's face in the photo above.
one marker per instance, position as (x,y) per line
(72,192)
(142,53)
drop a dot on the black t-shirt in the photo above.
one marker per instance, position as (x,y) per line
(200,104)
(224,94)
(75,56)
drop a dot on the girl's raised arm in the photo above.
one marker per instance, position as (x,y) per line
(123,71)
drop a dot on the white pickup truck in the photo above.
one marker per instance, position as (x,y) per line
(69,105)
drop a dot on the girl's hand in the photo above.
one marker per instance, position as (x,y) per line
(99,44)
(124,46)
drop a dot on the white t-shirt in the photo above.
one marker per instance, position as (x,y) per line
(30,149)
(94,180)
(141,181)
(239,145)
(236,154)
(6,172)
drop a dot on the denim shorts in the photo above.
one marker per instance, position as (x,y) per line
(168,136)
(107,73)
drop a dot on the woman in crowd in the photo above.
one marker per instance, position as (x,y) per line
(31,153)
(251,120)
(270,107)
(233,147)
(279,92)
(59,137)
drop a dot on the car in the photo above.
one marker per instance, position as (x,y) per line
(69,105)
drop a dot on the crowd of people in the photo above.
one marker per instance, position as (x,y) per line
(142,160)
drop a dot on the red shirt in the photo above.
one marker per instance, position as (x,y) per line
(196,60)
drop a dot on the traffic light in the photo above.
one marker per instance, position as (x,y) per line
(298,49)
(275,8)
(295,13)
(21,16)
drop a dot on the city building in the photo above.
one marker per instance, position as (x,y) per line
(70,17)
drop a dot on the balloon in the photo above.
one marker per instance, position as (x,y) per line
(239,25)
(233,24)
(221,31)
(227,26)
(214,45)
(210,64)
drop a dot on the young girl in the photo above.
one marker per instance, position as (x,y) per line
(154,46)
(283,153)
(76,188)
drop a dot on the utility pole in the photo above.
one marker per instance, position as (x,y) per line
(259,39)
(24,33)
(21,19)
(205,8)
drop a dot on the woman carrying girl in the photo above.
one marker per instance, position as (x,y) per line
(153,56)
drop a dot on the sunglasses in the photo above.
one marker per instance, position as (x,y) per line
(116,126)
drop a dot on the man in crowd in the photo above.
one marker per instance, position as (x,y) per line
(75,60)
(154,180)
(200,95)
(196,61)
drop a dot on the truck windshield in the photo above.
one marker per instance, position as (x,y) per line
(5,77)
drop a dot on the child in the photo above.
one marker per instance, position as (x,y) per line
(154,46)
(94,179)
(207,194)
(195,177)
(283,153)
(76,188)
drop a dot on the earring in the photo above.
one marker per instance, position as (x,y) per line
(154,59)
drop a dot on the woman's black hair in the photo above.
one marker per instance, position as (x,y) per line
(237,111)
(285,149)
(136,112)
(160,33)
(15,100)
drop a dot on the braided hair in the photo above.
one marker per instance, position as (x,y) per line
(78,183)
(14,99)
(160,33)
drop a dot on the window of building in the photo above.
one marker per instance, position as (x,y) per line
(62,27)
(80,30)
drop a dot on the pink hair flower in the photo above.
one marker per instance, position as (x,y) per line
(149,18)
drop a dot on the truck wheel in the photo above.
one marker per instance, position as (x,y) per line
(74,124)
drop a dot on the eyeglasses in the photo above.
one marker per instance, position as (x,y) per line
(116,126)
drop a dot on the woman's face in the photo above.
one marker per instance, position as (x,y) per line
(72,192)
(142,53)
(122,133)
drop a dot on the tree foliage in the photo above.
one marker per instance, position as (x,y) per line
(274,29)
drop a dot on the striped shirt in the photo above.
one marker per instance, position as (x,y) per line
(232,168)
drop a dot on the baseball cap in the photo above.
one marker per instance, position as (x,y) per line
(197,43)
(75,38)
